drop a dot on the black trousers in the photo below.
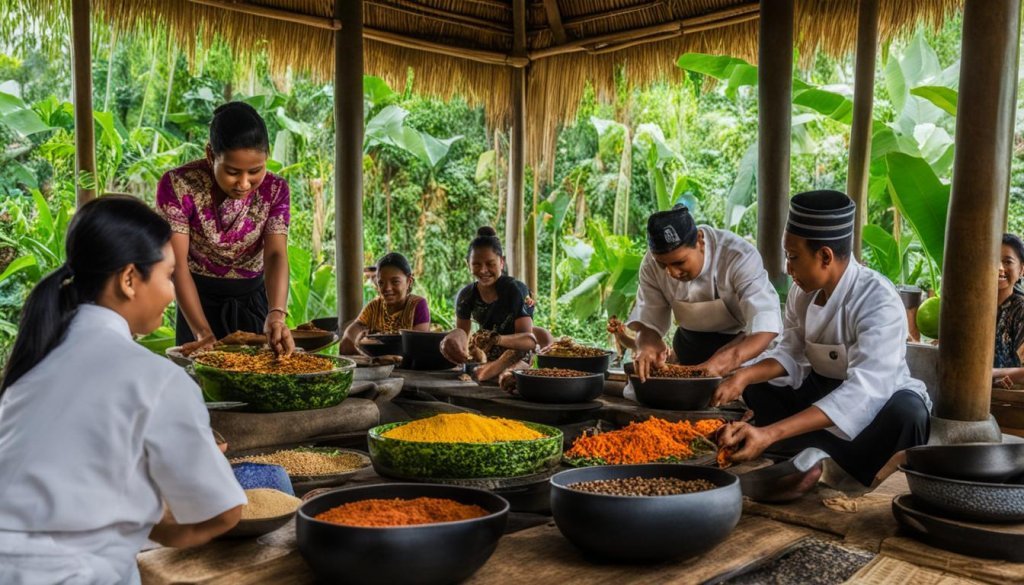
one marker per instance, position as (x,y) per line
(230,304)
(902,423)
(696,347)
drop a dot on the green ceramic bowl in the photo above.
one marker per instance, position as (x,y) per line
(276,392)
(422,460)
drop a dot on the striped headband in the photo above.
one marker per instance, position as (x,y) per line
(821,215)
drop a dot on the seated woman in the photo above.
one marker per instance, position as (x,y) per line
(104,444)
(1007,369)
(395,309)
(838,378)
(501,307)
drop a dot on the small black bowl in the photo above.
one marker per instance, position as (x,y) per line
(675,393)
(448,552)
(991,462)
(421,350)
(597,364)
(646,528)
(559,390)
(327,324)
(389,344)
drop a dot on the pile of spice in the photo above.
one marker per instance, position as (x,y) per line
(267,503)
(566,347)
(677,371)
(644,486)
(266,362)
(555,373)
(309,462)
(399,512)
(655,439)
(463,428)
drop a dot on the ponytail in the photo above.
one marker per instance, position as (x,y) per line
(104,236)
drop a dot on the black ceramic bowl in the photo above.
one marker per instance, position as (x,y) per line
(424,554)
(559,390)
(389,344)
(596,365)
(646,528)
(980,501)
(675,393)
(993,462)
(421,350)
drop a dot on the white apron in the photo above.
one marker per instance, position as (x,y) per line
(706,316)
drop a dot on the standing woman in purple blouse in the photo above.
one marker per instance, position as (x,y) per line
(230,219)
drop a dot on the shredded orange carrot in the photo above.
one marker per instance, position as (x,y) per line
(651,440)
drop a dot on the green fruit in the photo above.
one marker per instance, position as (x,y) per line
(928,318)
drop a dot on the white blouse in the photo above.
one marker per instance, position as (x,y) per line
(732,266)
(91,440)
(865,315)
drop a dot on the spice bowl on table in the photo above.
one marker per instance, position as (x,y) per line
(674,387)
(558,385)
(388,533)
(267,510)
(310,467)
(646,513)
(566,353)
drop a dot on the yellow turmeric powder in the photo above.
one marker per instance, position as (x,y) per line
(463,428)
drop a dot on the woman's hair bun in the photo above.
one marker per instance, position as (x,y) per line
(486,231)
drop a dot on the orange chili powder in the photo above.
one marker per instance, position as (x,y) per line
(399,512)
(644,442)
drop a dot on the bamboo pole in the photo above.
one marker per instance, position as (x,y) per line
(981,174)
(436,14)
(273,13)
(863,103)
(530,240)
(348,156)
(81,77)
(478,55)
(775,105)
(517,151)
(555,21)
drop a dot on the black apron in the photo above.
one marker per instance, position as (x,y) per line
(230,304)
(696,347)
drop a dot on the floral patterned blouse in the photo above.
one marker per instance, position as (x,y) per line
(1010,332)
(226,240)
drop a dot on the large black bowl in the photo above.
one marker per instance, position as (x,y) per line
(421,350)
(675,393)
(970,500)
(389,344)
(559,390)
(448,552)
(596,365)
(646,528)
(993,462)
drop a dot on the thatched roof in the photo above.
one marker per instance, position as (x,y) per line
(464,47)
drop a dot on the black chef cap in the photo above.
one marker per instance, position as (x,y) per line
(826,216)
(670,229)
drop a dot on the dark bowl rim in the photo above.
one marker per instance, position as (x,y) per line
(586,376)
(607,353)
(734,481)
(349,366)
(380,335)
(658,378)
(306,517)
(975,484)
(375,434)
(413,332)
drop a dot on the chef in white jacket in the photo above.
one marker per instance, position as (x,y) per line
(838,380)
(713,283)
(97,433)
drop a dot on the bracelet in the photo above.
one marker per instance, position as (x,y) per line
(282,311)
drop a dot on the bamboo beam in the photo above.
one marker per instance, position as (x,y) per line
(436,14)
(81,78)
(555,21)
(273,13)
(596,16)
(775,111)
(863,103)
(981,175)
(720,18)
(478,55)
(514,248)
(348,157)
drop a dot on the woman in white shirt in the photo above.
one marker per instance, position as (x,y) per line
(838,380)
(97,433)
(714,283)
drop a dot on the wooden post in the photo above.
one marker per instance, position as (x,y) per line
(775,105)
(863,103)
(530,239)
(981,172)
(81,78)
(348,157)
(514,249)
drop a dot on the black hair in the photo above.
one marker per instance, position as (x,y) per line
(1017,244)
(237,125)
(486,237)
(395,260)
(104,236)
(841,248)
